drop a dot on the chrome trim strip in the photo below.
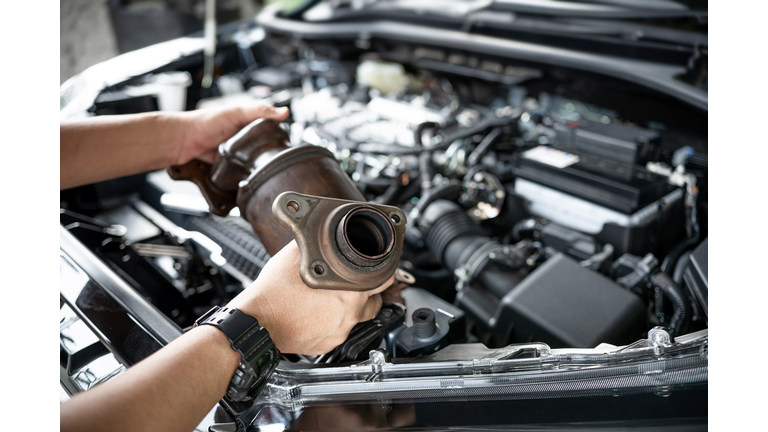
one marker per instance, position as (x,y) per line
(148,316)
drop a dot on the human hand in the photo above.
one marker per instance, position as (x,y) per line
(203,130)
(300,319)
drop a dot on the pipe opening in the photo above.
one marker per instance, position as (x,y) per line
(369,233)
(365,236)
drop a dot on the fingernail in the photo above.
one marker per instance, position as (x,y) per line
(281,110)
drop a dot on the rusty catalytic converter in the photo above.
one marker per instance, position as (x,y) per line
(301,192)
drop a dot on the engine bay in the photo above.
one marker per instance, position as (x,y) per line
(542,206)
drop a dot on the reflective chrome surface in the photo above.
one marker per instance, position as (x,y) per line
(85,361)
(98,336)
(99,370)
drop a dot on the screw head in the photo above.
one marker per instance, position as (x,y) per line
(659,336)
(377,357)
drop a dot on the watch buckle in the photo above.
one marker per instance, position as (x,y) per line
(205,316)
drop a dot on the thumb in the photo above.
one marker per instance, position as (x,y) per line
(371,308)
(383,287)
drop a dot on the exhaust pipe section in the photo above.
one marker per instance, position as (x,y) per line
(365,236)
(348,245)
(345,242)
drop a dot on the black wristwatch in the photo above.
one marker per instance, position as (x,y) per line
(258,355)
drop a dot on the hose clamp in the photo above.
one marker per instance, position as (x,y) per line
(466,273)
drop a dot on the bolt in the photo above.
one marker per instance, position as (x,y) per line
(377,357)
(659,336)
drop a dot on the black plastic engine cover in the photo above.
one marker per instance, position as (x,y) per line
(564,305)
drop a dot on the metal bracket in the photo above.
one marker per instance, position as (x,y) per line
(199,172)
(344,245)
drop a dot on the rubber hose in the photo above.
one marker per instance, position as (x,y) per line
(484,146)
(668,265)
(397,193)
(682,310)
(682,263)
(450,227)
(449,190)
(425,159)
(453,237)
(528,227)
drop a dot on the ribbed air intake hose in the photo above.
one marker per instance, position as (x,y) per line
(453,237)
(682,310)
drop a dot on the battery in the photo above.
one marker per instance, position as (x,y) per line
(617,186)
(620,143)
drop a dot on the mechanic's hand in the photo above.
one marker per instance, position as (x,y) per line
(205,129)
(300,319)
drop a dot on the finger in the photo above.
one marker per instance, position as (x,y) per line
(280,113)
(392,294)
(371,308)
(256,111)
(386,285)
(208,156)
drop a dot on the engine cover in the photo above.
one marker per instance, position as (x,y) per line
(565,305)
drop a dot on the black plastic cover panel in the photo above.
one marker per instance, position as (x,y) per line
(565,305)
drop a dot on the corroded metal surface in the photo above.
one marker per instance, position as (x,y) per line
(346,243)
(310,170)
(245,152)
(373,234)
(199,172)
(251,148)
(365,236)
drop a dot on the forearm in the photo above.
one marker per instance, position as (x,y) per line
(172,390)
(105,147)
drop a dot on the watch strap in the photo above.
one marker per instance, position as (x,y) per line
(258,355)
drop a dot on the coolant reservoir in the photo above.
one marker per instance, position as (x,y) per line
(383,76)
